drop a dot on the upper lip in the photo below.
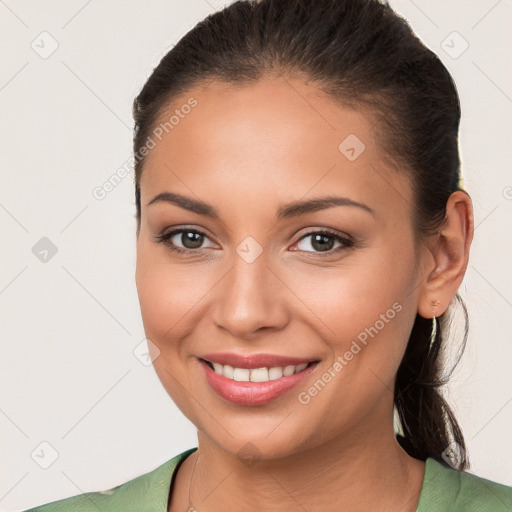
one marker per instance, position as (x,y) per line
(254,360)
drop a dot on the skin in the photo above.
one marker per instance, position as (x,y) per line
(247,150)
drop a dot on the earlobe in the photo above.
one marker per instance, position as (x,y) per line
(450,253)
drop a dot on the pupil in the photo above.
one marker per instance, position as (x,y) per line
(191,240)
(325,242)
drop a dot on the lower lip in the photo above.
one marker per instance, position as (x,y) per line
(254,393)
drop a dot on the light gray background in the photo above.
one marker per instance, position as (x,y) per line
(69,326)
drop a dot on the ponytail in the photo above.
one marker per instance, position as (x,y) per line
(428,424)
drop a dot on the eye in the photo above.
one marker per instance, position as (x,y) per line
(191,240)
(323,243)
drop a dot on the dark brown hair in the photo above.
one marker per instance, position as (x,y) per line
(361,53)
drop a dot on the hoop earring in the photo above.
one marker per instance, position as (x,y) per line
(433,333)
(434,326)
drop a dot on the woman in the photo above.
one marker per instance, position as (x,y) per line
(302,232)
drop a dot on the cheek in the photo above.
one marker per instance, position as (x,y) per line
(363,316)
(362,310)
(167,294)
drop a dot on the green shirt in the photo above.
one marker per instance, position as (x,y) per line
(444,490)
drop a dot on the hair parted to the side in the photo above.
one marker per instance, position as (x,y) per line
(361,53)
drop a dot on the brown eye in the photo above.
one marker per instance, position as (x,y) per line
(323,242)
(190,239)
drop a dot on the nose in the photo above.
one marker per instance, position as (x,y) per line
(251,298)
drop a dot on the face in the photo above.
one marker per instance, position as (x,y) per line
(243,271)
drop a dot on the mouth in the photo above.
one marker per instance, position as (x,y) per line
(262,374)
(255,385)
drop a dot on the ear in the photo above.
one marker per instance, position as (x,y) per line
(448,256)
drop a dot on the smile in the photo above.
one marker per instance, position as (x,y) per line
(263,374)
(256,380)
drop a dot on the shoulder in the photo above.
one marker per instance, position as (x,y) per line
(147,492)
(447,489)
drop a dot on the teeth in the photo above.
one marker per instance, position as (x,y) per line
(275,373)
(241,374)
(257,374)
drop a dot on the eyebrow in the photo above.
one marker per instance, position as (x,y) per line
(290,210)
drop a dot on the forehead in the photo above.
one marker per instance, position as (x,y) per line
(278,139)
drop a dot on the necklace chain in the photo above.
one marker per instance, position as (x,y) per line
(190,507)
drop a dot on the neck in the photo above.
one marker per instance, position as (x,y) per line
(356,473)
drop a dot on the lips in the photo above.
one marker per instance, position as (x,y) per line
(256,379)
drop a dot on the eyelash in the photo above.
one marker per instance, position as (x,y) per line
(346,243)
